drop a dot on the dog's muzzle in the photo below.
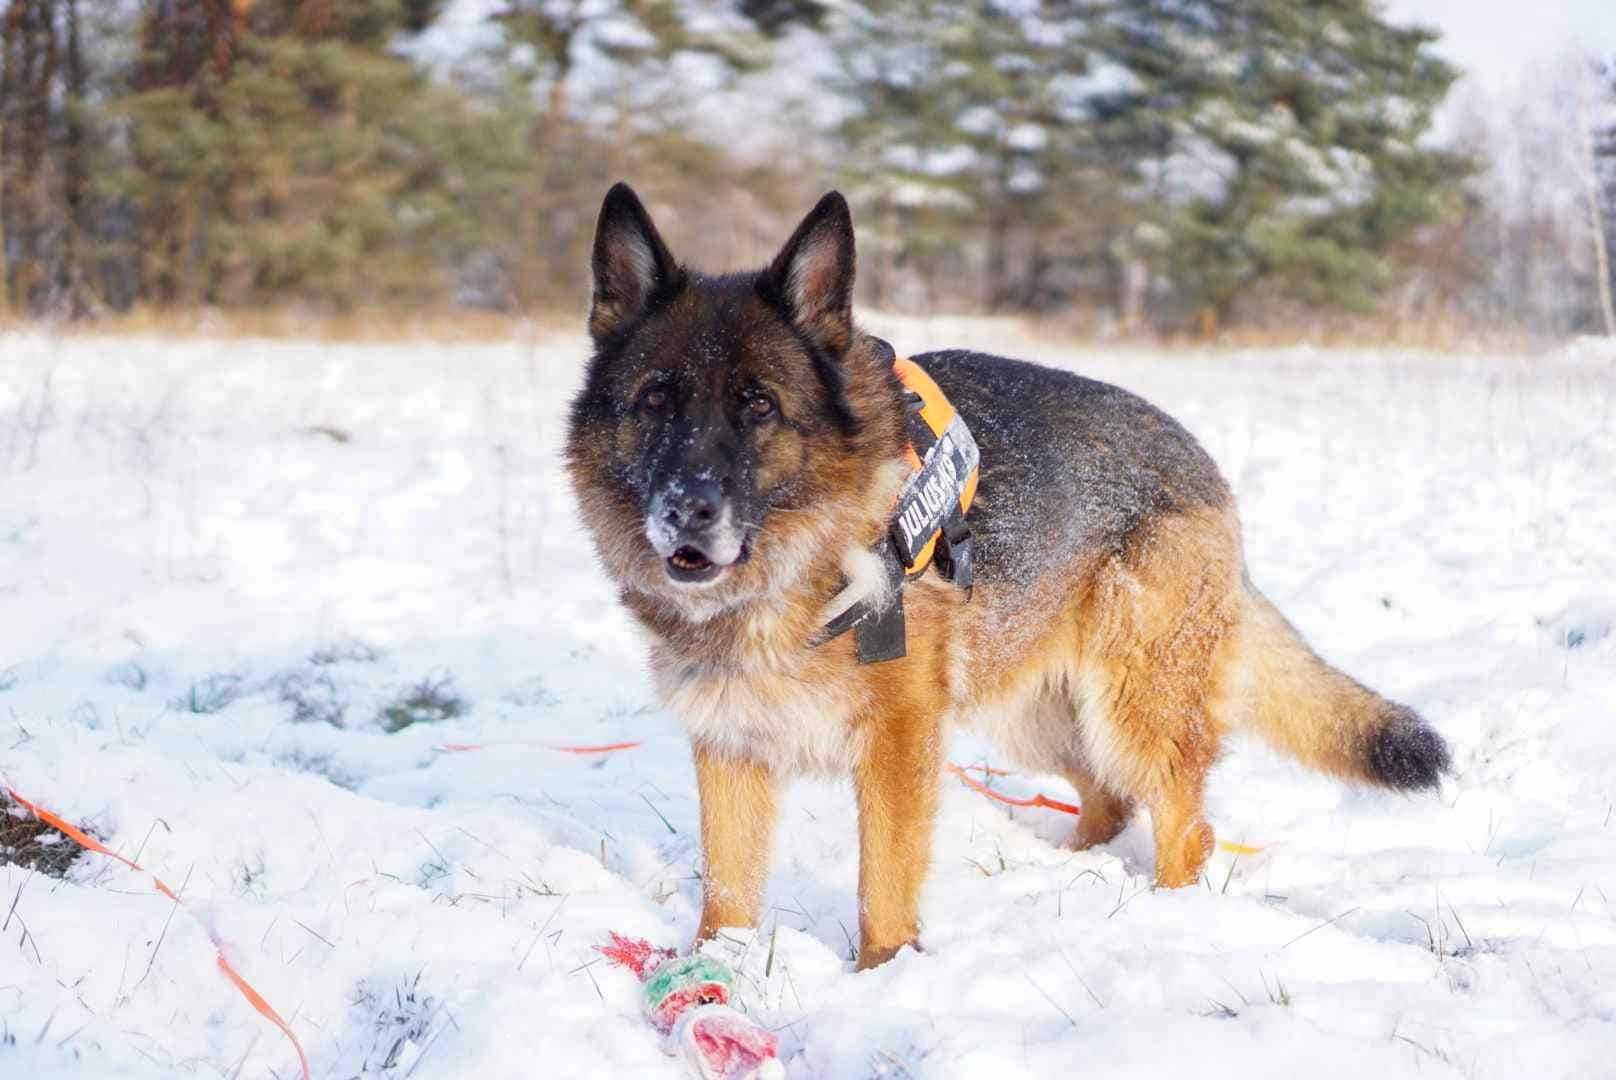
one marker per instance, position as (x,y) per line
(692,526)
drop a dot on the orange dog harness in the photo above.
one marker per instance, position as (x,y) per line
(928,522)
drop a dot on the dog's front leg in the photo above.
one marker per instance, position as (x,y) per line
(897,785)
(737,831)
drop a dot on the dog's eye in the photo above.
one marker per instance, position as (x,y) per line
(654,399)
(760,405)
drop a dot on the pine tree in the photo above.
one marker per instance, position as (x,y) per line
(1280,143)
(73,286)
(29,70)
(633,123)
(966,131)
(49,153)
(1233,143)
(544,40)
(281,152)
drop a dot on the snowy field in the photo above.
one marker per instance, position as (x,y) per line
(251,590)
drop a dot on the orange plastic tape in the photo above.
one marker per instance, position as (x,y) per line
(86,841)
(265,1009)
(90,843)
(604,748)
(1051,804)
(988,770)
(1036,800)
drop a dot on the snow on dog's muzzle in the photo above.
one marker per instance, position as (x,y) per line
(692,526)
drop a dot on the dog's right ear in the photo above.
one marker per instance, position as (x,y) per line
(631,263)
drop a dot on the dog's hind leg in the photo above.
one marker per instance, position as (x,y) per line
(1154,669)
(1155,743)
(1105,813)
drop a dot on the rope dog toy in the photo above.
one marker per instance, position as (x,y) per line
(687,999)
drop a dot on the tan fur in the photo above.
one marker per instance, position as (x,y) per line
(1123,691)
(896,782)
(737,831)
(1105,813)
(1298,702)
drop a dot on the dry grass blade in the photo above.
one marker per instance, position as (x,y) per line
(175,906)
(1320,926)
(1052,1002)
(660,815)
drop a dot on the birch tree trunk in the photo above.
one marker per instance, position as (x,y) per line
(1596,218)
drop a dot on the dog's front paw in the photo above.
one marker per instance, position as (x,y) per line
(871,955)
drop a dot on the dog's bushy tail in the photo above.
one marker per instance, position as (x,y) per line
(1324,718)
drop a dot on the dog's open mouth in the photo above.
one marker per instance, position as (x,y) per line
(689,560)
(691,565)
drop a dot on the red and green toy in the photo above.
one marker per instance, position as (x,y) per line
(687,998)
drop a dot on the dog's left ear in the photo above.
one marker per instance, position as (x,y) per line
(813,275)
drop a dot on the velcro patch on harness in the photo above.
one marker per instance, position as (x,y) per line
(935,493)
(934,501)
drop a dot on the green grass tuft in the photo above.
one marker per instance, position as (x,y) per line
(427,702)
(211,695)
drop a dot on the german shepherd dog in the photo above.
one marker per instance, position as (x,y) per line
(736,451)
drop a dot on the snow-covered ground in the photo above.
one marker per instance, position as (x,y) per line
(226,569)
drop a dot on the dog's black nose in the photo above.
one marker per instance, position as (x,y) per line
(693,506)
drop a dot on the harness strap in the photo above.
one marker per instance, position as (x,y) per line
(879,630)
(928,524)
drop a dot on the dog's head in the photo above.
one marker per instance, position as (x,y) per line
(728,424)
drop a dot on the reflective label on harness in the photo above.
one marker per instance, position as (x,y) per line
(934,493)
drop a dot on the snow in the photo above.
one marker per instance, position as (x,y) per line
(268,530)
